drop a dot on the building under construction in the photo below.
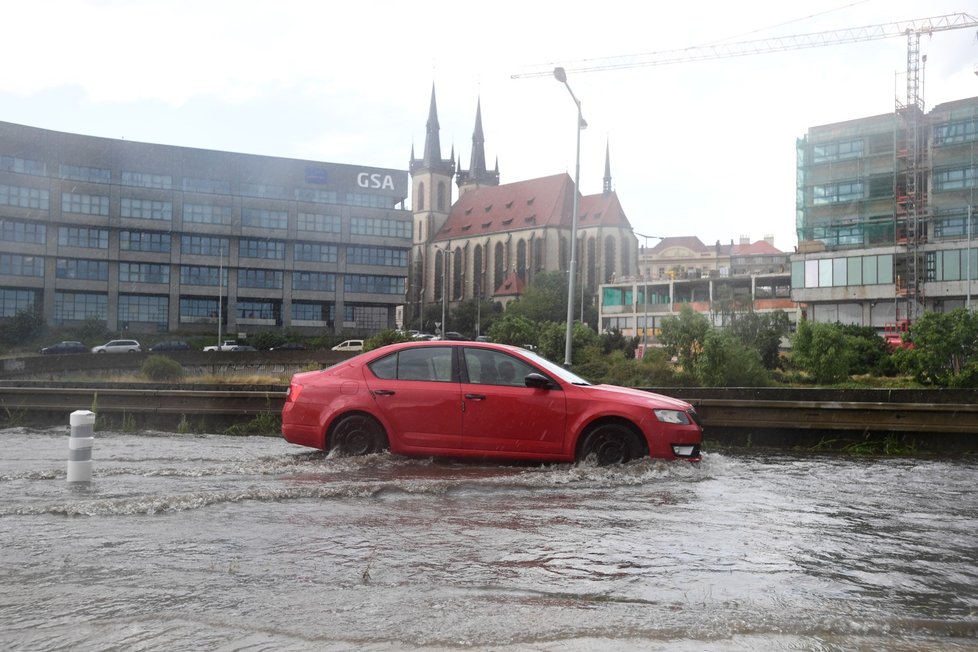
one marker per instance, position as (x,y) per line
(885,215)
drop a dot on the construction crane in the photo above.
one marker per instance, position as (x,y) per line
(911,200)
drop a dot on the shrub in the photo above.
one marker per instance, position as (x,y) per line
(823,351)
(727,362)
(162,368)
(384,338)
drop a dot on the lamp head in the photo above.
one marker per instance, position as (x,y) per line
(560,75)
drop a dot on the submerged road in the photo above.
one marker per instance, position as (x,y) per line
(216,542)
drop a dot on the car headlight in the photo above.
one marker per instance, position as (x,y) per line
(672,416)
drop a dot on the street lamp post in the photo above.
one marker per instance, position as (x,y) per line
(561,75)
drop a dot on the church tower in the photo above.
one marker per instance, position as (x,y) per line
(431,190)
(477,175)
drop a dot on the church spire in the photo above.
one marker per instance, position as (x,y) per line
(607,169)
(477,175)
(432,160)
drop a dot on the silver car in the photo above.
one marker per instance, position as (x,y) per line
(118,346)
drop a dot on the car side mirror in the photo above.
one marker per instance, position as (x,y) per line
(537,381)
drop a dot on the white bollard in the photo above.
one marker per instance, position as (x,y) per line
(80,446)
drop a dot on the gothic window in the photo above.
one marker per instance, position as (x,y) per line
(538,254)
(521,259)
(441,196)
(626,262)
(478,273)
(609,259)
(439,274)
(592,264)
(499,266)
(458,275)
(420,196)
(563,254)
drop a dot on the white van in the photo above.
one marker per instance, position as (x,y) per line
(349,345)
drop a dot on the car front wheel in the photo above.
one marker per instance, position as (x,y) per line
(358,434)
(609,444)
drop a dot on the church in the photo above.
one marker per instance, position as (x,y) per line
(491,241)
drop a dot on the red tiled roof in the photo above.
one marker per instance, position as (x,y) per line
(512,285)
(521,205)
(754,249)
(601,210)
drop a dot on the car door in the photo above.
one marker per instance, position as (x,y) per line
(502,414)
(417,392)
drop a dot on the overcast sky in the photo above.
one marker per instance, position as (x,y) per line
(704,149)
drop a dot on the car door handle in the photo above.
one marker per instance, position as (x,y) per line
(476,397)
(383,392)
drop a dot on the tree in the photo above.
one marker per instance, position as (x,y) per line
(467,314)
(823,351)
(384,338)
(762,333)
(683,335)
(514,329)
(553,338)
(25,325)
(727,362)
(545,300)
(943,346)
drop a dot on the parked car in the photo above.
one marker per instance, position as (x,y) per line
(239,348)
(452,335)
(118,346)
(170,345)
(349,345)
(64,347)
(226,345)
(485,400)
(289,346)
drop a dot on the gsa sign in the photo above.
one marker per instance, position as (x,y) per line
(375,181)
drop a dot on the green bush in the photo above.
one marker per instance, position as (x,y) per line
(727,362)
(823,351)
(162,368)
(384,338)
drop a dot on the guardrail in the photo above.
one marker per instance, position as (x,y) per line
(772,416)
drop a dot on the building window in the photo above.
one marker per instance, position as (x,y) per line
(79,306)
(366,317)
(384,256)
(366,284)
(380,227)
(23,197)
(199,275)
(206,214)
(959,131)
(952,265)
(144,241)
(72,236)
(319,281)
(144,273)
(833,193)
(256,309)
(145,308)
(190,184)
(265,249)
(264,218)
(83,270)
(263,190)
(364,200)
(843,271)
(145,180)
(315,196)
(955,178)
(202,245)
(27,232)
(84,204)
(265,279)
(839,150)
(18,265)
(309,311)
(198,309)
(13,301)
(952,224)
(315,253)
(146,209)
(23,166)
(318,223)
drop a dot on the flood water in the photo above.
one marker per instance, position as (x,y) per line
(216,542)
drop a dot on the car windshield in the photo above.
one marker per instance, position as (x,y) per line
(555,369)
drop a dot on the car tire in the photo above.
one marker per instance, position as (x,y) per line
(358,434)
(608,444)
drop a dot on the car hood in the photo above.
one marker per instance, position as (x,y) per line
(616,392)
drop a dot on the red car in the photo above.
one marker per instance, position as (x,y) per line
(478,399)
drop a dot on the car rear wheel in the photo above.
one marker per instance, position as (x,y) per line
(609,444)
(358,434)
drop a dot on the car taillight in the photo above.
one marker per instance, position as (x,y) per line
(292,394)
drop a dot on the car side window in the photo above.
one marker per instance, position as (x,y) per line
(428,363)
(493,368)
